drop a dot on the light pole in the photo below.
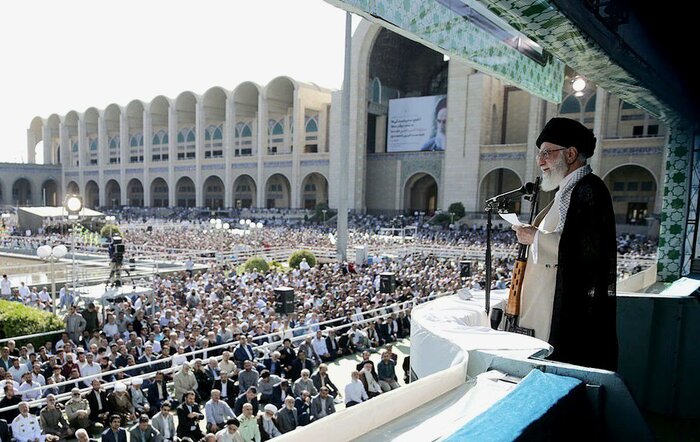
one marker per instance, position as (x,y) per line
(73,205)
(52,254)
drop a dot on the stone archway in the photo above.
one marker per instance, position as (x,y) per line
(277,192)
(22,192)
(185,192)
(497,182)
(92,195)
(244,192)
(49,193)
(314,190)
(159,193)
(633,192)
(134,193)
(214,192)
(421,193)
(113,192)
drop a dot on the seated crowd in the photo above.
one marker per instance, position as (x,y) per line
(255,373)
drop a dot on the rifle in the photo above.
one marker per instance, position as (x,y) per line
(516,285)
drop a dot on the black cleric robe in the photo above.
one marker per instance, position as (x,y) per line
(583,329)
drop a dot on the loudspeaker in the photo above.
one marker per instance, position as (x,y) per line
(465,269)
(284,300)
(360,255)
(387,282)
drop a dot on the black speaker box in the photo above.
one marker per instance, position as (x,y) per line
(387,282)
(284,300)
(465,269)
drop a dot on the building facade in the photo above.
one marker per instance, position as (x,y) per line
(279,145)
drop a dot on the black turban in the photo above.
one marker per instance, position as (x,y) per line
(566,132)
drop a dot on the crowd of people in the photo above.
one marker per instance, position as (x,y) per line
(255,371)
(210,348)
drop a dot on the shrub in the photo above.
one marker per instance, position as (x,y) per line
(19,320)
(276,265)
(457,209)
(297,256)
(442,219)
(109,230)
(256,263)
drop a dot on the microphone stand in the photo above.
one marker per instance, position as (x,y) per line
(499,205)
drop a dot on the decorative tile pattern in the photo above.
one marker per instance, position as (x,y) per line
(213,166)
(435,25)
(431,164)
(72,174)
(244,165)
(134,170)
(111,172)
(544,23)
(185,168)
(672,245)
(502,156)
(631,151)
(91,173)
(278,164)
(158,169)
(305,163)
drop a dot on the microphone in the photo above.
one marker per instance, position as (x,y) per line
(527,189)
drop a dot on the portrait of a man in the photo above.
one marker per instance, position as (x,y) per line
(437,141)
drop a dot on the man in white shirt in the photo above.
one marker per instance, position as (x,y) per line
(5,287)
(319,345)
(17,370)
(23,291)
(25,427)
(355,392)
(29,389)
(89,369)
(45,298)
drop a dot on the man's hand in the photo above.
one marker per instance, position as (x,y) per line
(525,233)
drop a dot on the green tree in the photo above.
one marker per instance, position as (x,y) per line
(256,263)
(457,209)
(297,256)
(19,320)
(109,230)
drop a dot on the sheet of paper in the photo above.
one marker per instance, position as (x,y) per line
(512,218)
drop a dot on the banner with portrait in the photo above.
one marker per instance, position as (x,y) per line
(417,124)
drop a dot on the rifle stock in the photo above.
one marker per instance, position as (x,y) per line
(516,284)
(516,287)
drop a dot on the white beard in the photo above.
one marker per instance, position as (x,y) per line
(440,141)
(552,177)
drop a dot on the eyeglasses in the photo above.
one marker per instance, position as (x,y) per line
(544,154)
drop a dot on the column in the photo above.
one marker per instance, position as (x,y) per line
(261,132)
(464,127)
(229,125)
(172,149)
(31,144)
(599,128)
(63,140)
(123,155)
(147,156)
(102,156)
(82,153)
(675,242)
(298,142)
(199,120)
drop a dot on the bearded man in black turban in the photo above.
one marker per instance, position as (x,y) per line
(568,295)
